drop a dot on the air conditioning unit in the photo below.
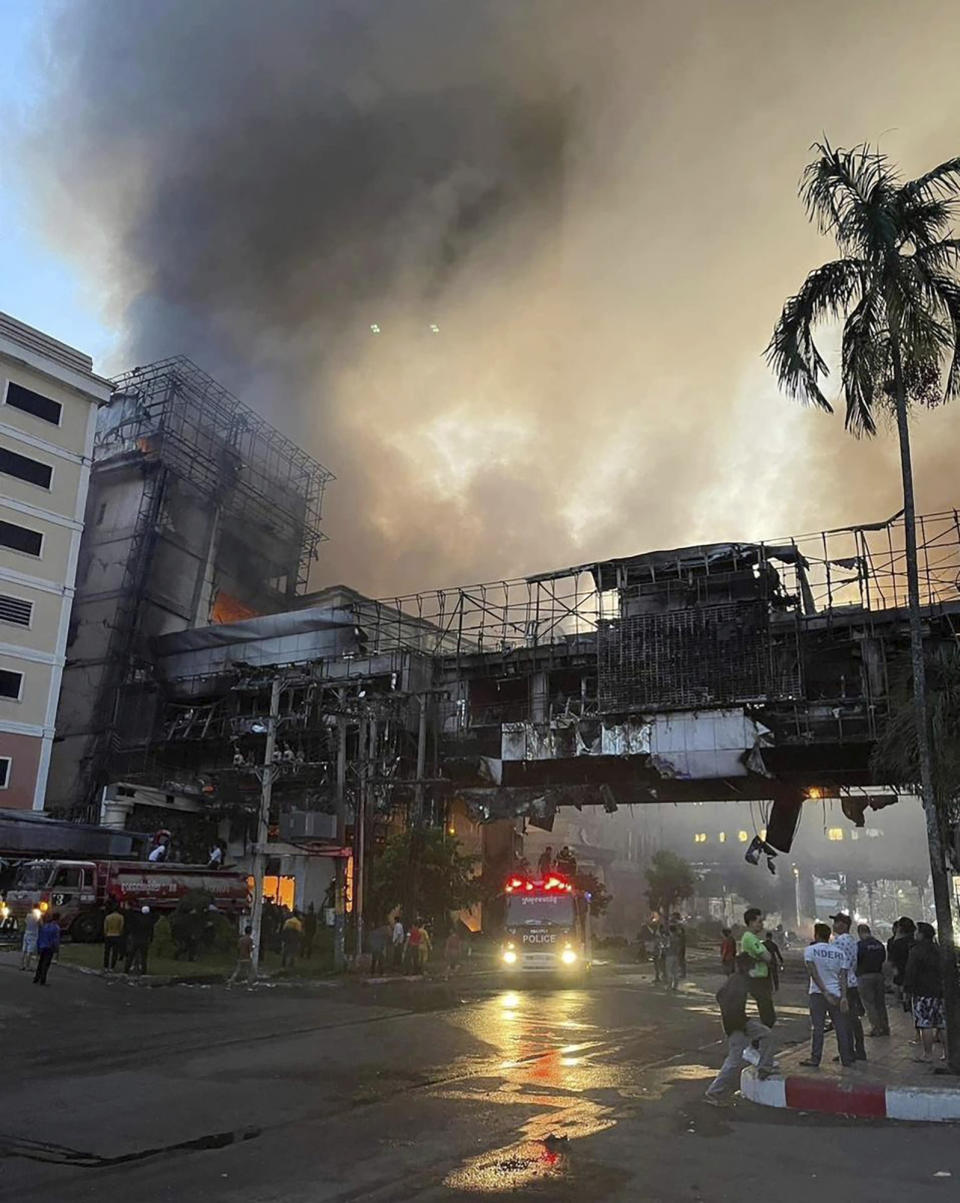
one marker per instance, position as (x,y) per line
(308,825)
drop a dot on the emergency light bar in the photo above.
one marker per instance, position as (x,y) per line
(547,885)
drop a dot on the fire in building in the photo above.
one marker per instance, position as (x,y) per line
(735,671)
(198,512)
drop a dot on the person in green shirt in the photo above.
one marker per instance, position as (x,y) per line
(751,943)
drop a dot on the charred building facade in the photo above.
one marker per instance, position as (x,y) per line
(741,671)
(198,512)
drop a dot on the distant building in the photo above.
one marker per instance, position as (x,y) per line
(199,512)
(48,405)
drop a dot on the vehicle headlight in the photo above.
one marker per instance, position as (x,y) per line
(568,956)
(510,957)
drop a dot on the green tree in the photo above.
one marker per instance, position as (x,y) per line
(600,897)
(670,879)
(422,869)
(895,284)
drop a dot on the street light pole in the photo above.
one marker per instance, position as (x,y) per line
(340,869)
(267,774)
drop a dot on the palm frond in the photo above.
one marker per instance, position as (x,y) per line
(922,220)
(864,361)
(943,180)
(949,291)
(791,352)
(847,192)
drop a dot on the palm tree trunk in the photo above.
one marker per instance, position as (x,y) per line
(938,866)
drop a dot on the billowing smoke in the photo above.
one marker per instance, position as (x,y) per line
(572,225)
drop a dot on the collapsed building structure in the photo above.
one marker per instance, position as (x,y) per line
(726,671)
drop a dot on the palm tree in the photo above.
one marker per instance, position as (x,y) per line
(895,284)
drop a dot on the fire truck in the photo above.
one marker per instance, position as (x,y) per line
(79,890)
(547,928)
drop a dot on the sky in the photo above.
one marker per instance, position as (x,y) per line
(507,267)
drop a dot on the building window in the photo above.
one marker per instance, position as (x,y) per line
(11,684)
(101,513)
(34,403)
(20,538)
(835,833)
(25,468)
(742,836)
(15,610)
(5,765)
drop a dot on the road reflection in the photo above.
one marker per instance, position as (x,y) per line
(542,1045)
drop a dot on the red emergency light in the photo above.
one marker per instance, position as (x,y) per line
(552,885)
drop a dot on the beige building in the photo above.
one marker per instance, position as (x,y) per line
(48,410)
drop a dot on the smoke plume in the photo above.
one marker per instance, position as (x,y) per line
(572,224)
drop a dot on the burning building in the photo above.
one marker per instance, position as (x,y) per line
(198,512)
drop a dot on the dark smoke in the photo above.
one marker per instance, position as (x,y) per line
(594,203)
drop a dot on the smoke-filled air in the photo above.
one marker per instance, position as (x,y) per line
(508,267)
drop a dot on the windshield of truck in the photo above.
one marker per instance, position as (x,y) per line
(35,875)
(540,911)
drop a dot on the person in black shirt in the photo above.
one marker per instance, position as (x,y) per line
(741,1033)
(898,950)
(871,956)
(923,982)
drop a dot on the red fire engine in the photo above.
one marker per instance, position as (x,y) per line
(79,890)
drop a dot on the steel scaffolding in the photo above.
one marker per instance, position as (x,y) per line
(175,411)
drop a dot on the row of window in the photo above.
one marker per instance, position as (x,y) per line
(30,402)
(21,538)
(11,684)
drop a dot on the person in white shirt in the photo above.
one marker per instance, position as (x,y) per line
(397,941)
(842,938)
(826,965)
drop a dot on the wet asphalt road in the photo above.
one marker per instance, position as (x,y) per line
(116,1092)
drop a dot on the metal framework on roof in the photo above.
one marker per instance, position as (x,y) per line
(203,433)
(857,568)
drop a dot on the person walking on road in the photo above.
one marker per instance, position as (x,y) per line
(751,942)
(113,924)
(871,955)
(741,1033)
(843,939)
(243,970)
(923,982)
(826,965)
(48,946)
(31,931)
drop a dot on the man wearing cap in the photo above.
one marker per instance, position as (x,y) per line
(854,1028)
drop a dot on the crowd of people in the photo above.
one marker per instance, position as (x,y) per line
(847,983)
(404,946)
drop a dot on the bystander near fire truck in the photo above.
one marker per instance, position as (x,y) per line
(546,929)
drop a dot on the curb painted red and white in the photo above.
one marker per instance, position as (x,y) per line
(866,1100)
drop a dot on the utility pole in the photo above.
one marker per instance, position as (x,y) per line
(359,829)
(267,774)
(421,761)
(340,900)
